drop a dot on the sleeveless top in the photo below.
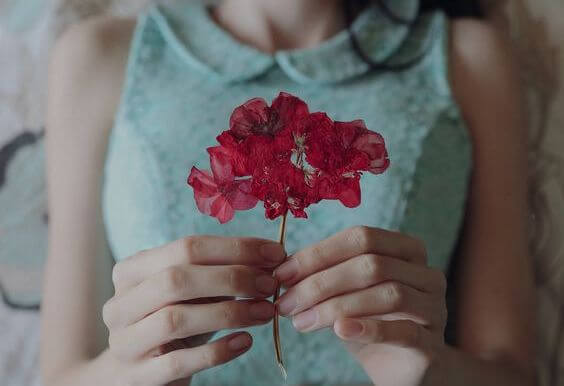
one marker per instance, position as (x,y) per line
(186,74)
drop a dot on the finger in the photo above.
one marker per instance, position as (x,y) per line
(360,272)
(184,363)
(204,250)
(403,333)
(383,299)
(179,344)
(176,284)
(181,321)
(349,243)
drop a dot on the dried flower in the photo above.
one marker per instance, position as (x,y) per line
(292,158)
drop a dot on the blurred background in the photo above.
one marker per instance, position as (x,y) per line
(27,32)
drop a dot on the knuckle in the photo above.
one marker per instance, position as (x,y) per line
(372,267)
(174,280)
(444,317)
(192,247)
(237,248)
(360,236)
(441,281)
(230,314)
(413,338)
(236,279)
(378,332)
(394,295)
(317,285)
(174,366)
(210,357)
(117,273)
(107,314)
(172,320)
(333,310)
(316,253)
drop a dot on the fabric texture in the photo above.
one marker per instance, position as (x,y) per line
(186,74)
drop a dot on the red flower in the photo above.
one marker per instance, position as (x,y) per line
(219,194)
(256,117)
(294,159)
(283,187)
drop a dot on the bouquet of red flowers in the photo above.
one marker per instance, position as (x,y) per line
(288,158)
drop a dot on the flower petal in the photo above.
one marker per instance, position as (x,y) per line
(289,108)
(205,203)
(221,165)
(245,118)
(350,194)
(372,144)
(222,210)
(349,131)
(241,197)
(202,182)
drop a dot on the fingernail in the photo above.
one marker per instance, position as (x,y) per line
(304,320)
(286,304)
(266,284)
(352,328)
(287,270)
(239,342)
(261,311)
(273,252)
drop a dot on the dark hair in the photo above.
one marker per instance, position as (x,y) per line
(453,8)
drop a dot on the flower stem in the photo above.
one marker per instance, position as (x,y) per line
(275,329)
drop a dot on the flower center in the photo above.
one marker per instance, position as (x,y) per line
(271,125)
(226,188)
(298,158)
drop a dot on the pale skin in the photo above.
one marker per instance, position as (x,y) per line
(145,320)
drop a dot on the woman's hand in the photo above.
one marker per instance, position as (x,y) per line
(374,288)
(169,300)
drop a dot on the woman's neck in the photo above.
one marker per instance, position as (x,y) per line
(272,25)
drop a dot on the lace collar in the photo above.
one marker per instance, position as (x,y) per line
(189,28)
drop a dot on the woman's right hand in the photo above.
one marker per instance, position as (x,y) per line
(169,300)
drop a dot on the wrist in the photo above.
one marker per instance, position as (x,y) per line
(96,371)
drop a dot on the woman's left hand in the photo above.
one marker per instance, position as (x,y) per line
(374,288)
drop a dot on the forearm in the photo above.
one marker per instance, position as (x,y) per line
(455,367)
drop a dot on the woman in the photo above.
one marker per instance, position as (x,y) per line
(371,278)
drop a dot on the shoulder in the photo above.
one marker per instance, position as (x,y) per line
(479,49)
(88,63)
(99,38)
(483,75)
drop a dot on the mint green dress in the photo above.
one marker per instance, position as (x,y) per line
(184,77)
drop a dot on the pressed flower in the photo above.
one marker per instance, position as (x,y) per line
(219,194)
